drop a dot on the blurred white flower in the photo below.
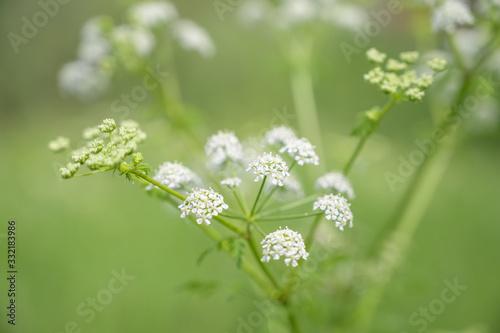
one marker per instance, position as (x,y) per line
(298,11)
(141,40)
(192,37)
(174,175)
(336,208)
(346,16)
(270,166)
(231,182)
(450,15)
(94,45)
(59,144)
(205,204)
(82,80)
(302,150)
(279,136)
(284,243)
(150,14)
(222,147)
(250,12)
(336,181)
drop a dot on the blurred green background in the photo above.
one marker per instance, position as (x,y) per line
(73,234)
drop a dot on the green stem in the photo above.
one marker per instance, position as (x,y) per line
(258,196)
(93,172)
(257,257)
(312,230)
(176,194)
(287,217)
(365,137)
(273,190)
(292,205)
(303,94)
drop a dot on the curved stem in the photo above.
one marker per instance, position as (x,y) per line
(264,268)
(310,235)
(292,205)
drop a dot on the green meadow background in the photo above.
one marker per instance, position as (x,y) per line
(72,234)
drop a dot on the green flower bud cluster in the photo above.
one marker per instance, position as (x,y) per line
(105,147)
(397,79)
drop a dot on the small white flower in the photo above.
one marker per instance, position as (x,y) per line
(107,126)
(279,136)
(141,40)
(174,175)
(376,56)
(272,167)
(336,208)
(59,144)
(336,181)
(222,147)
(231,182)
(284,243)
(153,13)
(192,37)
(82,80)
(205,204)
(302,150)
(94,45)
(450,15)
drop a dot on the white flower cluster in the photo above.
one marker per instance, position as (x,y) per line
(154,13)
(205,204)
(284,243)
(450,15)
(272,167)
(287,14)
(336,181)
(279,136)
(192,37)
(104,45)
(336,208)
(174,175)
(231,182)
(59,144)
(223,147)
(302,150)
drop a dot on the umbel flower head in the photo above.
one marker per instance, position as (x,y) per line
(231,182)
(302,151)
(279,136)
(450,15)
(97,154)
(174,175)
(336,208)
(223,147)
(336,181)
(270,166)
(284,243)
(59,144)
(203,203)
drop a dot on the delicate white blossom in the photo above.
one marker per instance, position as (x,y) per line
(192,37)
(336,181)
(174,175)
(94,45)
(141,40)
(279,136)
(302,150)
(272,167)
(205,204)
(284,243)
(222,147)
(336,208)
(59,144)
(153,13)
(107,126)
(82,80)
(450,15)
(231,182)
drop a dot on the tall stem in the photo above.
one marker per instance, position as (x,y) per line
(303,94)
(258,196)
